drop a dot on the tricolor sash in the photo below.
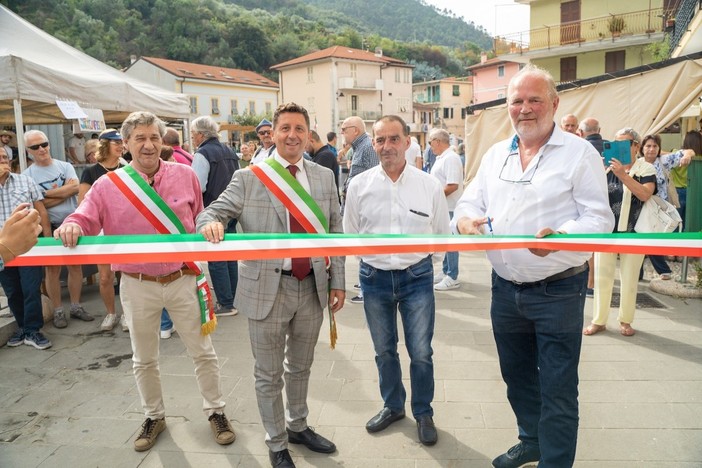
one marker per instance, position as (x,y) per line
(157,212)
(286,188)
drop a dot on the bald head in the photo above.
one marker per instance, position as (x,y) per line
(589,126)
(171,138)
(352,128)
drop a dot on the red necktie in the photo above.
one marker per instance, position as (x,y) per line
(300,266)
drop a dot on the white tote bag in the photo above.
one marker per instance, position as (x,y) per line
(657,215)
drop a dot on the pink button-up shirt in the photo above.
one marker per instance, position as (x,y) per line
(105,207)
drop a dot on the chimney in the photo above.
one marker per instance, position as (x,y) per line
(378,52)
(132,59)
(483,57)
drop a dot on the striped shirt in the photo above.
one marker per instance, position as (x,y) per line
(16,190)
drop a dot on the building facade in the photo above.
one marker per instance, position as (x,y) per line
(441,104)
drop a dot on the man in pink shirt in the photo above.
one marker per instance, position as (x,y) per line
(147,288)
(172,139)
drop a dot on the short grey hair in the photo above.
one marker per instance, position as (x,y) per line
(531,69)
(628,131)
(440,134)
(30,133)
(205,125)
(138,118)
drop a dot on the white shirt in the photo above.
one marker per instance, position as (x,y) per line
(415,204)
(448,168)
(412,153)
(567,192)
(301,177)
(262,154)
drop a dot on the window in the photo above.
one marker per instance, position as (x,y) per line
(215,106)
(252,107)
(501,71)
(408,76)
(397,75)
(310,74)
(354,104)
(615,61)
(268,108)
(456,90)
(310,105)
(569,69)
(448,112)
(193,105)
(354,74)
(235,107)
(463,113)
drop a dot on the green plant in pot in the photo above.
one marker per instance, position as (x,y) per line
(616,25)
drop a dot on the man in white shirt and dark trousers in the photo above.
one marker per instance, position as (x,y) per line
(539,182)
(396,198)
(448,169)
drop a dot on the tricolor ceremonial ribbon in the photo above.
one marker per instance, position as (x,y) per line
(193,247)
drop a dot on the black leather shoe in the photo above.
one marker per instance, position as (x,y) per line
(383,419)
(426,430)
(312,441)
(518,456)
(281,459)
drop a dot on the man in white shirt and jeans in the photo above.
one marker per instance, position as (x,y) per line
(396,198)
(448,169)
(539,182)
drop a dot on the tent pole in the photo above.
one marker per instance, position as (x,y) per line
(19,127)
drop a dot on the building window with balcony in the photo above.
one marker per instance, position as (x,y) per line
(456,90)
(235,107)
(193,105)
(252,107)
(215,106)
(501,71)
(615,61)
(310,74)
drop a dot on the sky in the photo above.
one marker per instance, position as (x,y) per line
(513,17)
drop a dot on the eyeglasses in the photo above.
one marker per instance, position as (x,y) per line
(343,129)
(518,181)
(264,132)
(40,145)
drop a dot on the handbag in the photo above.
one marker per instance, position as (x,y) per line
(657,215)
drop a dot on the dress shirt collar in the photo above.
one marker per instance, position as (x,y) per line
(285,163)
(556,139)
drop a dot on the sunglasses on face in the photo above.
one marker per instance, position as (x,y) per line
(40,145)
(264,132)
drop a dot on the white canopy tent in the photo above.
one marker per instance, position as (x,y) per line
(647,101)
(36,69)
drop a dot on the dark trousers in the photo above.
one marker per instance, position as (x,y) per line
(538,332)
(21,285)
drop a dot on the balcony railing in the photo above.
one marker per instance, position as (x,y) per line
(364,115)
(683,17)
(608,27)
(360,84)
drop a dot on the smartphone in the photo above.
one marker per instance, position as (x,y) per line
(620,150)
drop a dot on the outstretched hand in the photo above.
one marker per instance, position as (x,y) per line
(19,234)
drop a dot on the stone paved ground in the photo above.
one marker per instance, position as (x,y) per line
(75,405)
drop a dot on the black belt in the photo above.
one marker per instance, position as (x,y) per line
(557,277)
(290,273)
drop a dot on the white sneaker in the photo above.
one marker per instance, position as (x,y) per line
(446,284)
(108,322)
(438,277)
(123,322)
(165,334)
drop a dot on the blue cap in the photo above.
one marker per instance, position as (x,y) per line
(110,134)
(263,123)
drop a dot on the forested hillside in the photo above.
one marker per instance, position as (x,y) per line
(255,34)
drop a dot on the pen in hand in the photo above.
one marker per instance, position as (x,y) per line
(489,223)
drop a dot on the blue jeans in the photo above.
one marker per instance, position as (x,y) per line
(450,265)
(682,198)
(538,332)
(22,288)
(225,276)
(411,292)
(166,323)
(659,264)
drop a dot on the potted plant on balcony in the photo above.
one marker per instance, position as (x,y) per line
(616,25)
